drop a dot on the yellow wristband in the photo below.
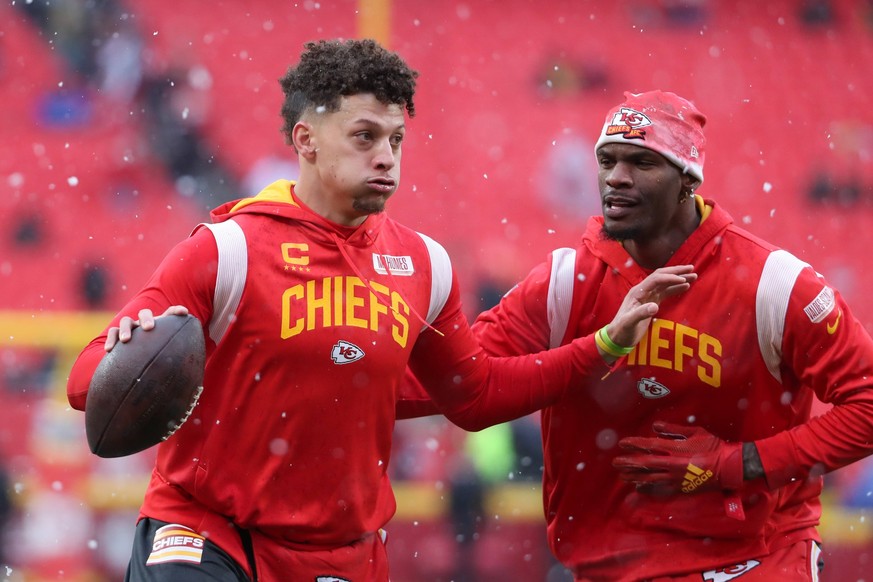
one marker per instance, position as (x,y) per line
(601,338)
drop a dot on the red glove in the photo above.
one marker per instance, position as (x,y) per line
(681,459)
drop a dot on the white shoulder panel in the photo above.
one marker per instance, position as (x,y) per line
(231,278)
(441,277)
(771,304)
(560,293)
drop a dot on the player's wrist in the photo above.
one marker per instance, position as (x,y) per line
(753,468)
(732,471)
(608,346)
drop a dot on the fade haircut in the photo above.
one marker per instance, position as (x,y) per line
(331,69)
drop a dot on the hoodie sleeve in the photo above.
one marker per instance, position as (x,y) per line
(519,324)
(833,355)
(475,390)
(186,277)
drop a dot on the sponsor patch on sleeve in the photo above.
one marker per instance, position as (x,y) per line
(176,543)
(821,306)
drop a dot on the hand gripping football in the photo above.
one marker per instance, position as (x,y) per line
(144,389)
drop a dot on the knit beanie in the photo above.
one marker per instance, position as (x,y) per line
(662,122)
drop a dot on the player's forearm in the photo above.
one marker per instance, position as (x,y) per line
(80,375)
(835,439)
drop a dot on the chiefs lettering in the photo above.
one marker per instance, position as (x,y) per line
(671,345)
(336,301)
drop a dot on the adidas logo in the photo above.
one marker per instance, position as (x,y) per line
(694,478)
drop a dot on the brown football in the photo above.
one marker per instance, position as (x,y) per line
(144,389)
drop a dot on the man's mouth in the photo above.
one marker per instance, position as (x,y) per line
(617,206)
(383,185)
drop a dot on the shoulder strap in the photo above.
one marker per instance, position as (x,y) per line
(231,277)
(771,304)
(560,297)
(441,277)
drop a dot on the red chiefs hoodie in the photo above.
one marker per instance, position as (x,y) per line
(310,326)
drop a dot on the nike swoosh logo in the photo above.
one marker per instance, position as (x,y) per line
(832,329)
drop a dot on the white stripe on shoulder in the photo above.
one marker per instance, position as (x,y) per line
(441,277)
(771,304)
(560,296)
(231,277)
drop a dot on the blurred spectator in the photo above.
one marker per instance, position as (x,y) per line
(5,513)
(66,107)
(94,281)
(466,511)
(69,27)
(268,169)
(487,459)
(685,12)
(816,13)
(28,231)
(528,445)
(119,61)
(569,174)
(175,106)
(854,485)
(559,75)
(823,189)
(649,14)
(489,292)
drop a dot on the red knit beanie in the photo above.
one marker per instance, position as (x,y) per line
(662,122)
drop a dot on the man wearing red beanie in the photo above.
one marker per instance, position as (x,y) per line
(696,458)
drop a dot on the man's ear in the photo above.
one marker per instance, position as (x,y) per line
(689,182)
(303,140)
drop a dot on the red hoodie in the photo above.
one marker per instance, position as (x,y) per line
(310,328)
(742,354)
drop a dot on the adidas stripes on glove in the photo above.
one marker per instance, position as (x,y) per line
(681,459)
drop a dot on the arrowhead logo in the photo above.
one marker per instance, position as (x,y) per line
(345,353)
(731,572)
(651,389)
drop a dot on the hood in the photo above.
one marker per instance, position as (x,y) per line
(279,201)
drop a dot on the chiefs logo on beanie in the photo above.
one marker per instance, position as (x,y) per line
(660,121)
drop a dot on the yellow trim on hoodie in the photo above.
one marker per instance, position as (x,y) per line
(702,207)
(279,191)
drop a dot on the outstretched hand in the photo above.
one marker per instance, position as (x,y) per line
(641,302)
(146,320)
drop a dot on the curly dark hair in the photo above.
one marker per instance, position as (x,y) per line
(331,69)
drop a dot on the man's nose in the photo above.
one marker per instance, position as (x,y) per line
(385,157)
(619,175)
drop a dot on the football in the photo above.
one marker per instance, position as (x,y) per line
(144,389)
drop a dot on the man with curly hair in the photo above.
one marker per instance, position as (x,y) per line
(313,302)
